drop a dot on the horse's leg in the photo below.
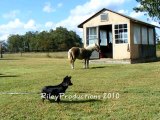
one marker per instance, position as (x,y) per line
(72,64)
(87,63)
(84,63)
(71,58)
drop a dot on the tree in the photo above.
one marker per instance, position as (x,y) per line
(61,36)
(44,41)
(34,42)
(54,40)
(27,40)
(158,42)
(152,7)
(15,43)
(63,39)
(76,39)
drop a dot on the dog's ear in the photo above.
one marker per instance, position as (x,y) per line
(70,77)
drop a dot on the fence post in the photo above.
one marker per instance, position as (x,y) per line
(1,50)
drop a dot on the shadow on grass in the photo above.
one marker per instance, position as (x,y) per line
(98,67)
(2,75)
(76,101)
(77,91)
(9,59)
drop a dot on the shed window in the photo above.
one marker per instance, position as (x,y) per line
(91,35)
(121,33)
(151,36)
(104,17)
(144,36)
(137,34)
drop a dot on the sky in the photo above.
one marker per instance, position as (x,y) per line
(21,16)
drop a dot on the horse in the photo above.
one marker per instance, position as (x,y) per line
(82,53)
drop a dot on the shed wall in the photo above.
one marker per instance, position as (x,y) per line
(120,51)
(128,50)
(139,51)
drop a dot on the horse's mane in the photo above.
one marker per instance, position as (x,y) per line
(92,46)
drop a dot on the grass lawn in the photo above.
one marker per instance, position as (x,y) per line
(103,92)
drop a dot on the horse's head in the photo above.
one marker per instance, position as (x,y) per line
(93,47)
(97,48)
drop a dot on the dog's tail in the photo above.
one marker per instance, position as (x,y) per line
(70,56)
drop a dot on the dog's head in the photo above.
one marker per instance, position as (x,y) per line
(67,81)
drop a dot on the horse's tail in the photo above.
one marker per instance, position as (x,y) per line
(70,56)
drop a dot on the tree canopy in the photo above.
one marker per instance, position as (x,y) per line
(151,7)
(54,40)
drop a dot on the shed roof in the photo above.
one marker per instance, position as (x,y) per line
(132,19)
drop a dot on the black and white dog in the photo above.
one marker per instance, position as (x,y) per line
(57,90)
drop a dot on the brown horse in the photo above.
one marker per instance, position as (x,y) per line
(82,53)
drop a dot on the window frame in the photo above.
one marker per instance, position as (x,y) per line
(121,33)
(90,38)
(137,34)
(144,35)
(151,36)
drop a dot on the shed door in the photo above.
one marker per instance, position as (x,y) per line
(92,37)
(121,45)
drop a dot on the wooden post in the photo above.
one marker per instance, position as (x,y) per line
(1,50)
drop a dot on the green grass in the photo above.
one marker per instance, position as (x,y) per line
(138,86)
